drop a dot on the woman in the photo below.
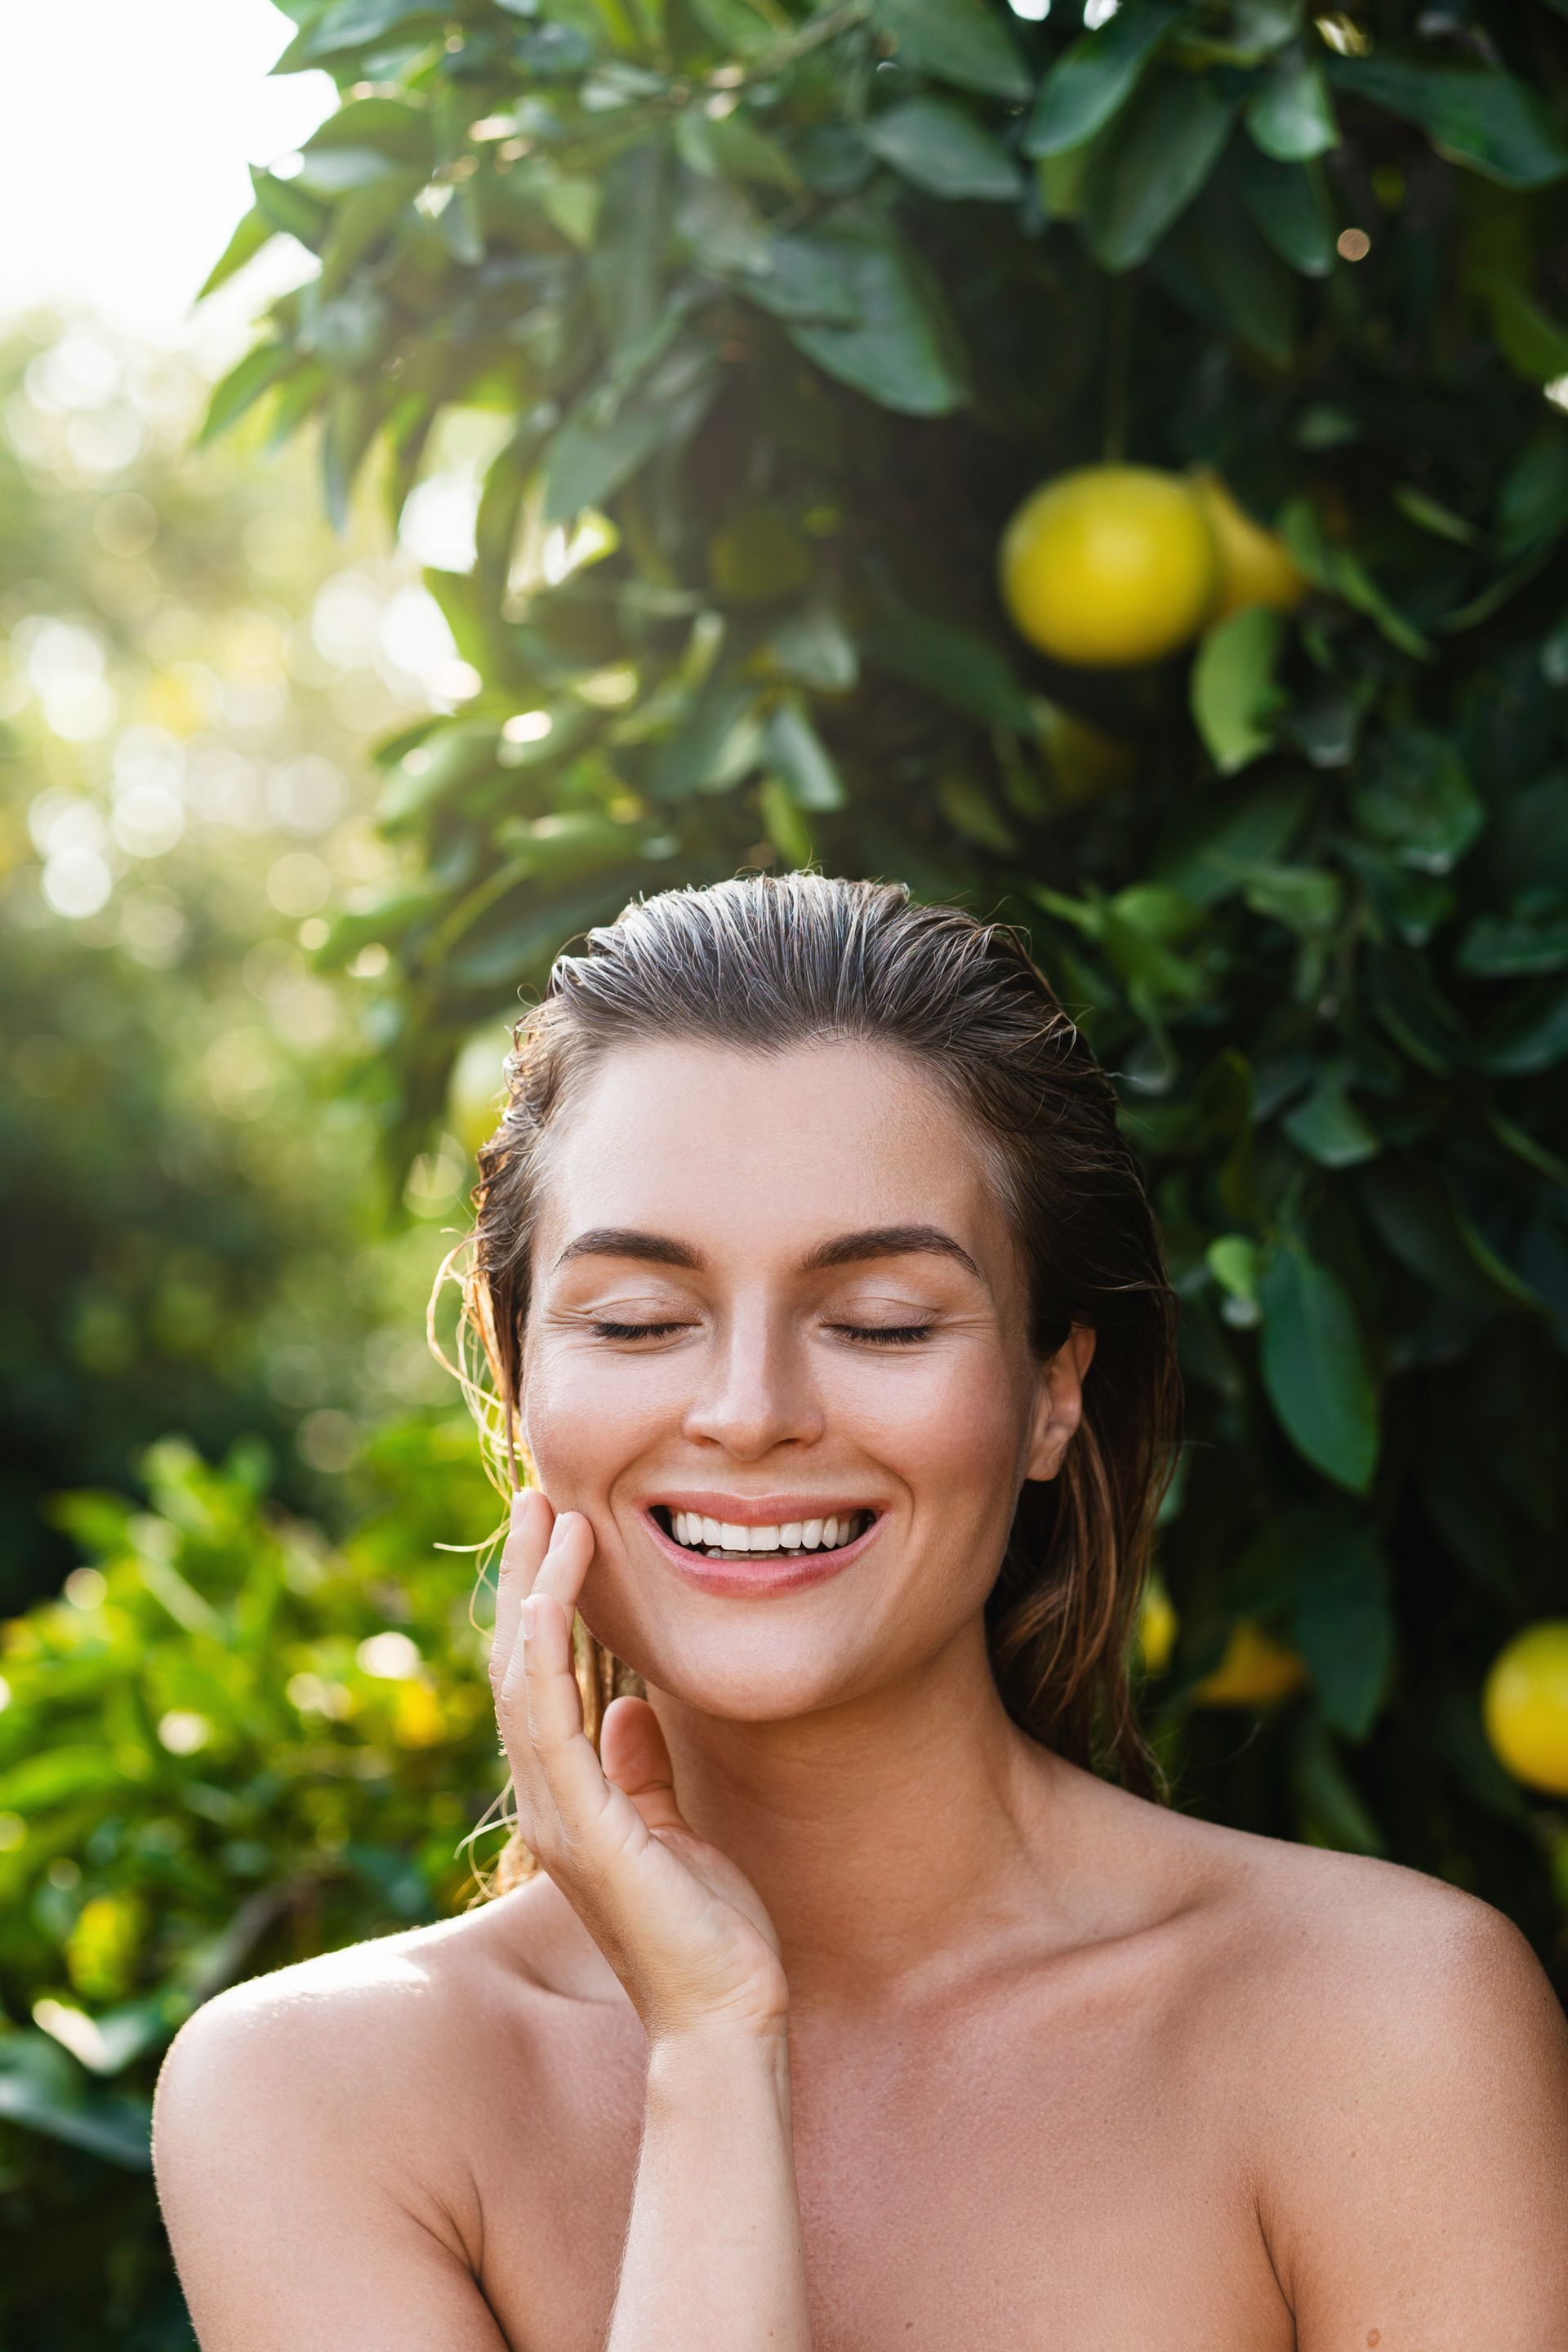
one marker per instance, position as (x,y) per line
(851,2007)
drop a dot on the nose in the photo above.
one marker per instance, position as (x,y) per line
(757,1393)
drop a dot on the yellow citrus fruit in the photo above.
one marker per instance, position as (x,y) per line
(1525,1706)
(1255,1671)
(476,1092)
(1157,1627)
(1256,567)
(1109,566)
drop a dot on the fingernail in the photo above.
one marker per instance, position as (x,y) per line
(557,1532)
(525,1618)
(519,1498)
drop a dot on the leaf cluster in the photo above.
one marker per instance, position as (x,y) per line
(781,314)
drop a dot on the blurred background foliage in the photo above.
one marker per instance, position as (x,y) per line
(703,350)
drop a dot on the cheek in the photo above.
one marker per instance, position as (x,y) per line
(952,1426)
(585,1416)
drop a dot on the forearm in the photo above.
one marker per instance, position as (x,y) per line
(713,2260)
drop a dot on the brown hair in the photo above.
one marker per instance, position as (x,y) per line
(766,964)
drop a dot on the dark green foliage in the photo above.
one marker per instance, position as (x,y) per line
(803,306)
(228,1747)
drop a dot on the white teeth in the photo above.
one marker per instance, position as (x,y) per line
(690,1529)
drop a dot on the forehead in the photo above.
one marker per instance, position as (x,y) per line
(759,1156)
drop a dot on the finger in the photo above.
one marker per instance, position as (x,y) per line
(527,1539)
(593,1814)
(636,1758)
(566,1559)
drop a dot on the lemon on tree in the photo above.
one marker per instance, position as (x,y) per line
(1109,566)
(1525,1706)
(1256,567)
(1255,1670)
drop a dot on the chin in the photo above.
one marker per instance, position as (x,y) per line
(758,1672)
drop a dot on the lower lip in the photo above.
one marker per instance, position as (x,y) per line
(766,1573)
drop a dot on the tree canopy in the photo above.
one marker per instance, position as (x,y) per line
(779,316)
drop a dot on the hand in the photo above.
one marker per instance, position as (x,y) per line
(683,1929)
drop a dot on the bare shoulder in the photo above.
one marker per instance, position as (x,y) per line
(1373,1954)
(1401,2063)
(373,2057)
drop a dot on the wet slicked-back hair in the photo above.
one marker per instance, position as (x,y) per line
(765,965)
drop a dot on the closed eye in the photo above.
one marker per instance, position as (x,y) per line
(602,1331)
(883,1335)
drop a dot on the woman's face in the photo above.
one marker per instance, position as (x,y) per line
(778,1355)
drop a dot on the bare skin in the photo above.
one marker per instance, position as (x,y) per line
(847,2018)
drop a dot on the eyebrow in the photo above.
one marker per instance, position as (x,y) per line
(844,1249)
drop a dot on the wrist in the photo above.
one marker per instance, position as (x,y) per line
(691,2060)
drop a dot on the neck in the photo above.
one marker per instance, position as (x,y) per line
(887,1835)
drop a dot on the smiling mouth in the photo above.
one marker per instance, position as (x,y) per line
(723,1539)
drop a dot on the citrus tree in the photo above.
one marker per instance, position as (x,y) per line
(779,317)
(229,1745)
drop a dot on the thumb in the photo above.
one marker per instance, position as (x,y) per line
(635,1757)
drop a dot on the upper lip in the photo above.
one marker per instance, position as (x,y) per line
(755,1510)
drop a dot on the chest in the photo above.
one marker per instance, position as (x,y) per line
(970,2182)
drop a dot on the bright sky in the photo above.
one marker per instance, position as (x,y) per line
(126,129)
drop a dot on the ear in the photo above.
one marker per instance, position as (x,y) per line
(1058,1401)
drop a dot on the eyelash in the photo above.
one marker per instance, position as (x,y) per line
(872,1335)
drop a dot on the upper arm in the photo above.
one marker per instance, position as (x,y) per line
(1419,2172)
(294,2226)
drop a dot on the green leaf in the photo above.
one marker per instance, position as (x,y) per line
(1289,204)
(1534,345)
(360,222)
(814,646)
(736,148)
(1305,898)
(958,667)
(1327,1127)
(43,2090)
(782,821)
(1234,694)
(392,126)
(897,350)
(1332,1812)
(1219,263)
(289,208)
(960,41)
(1532,939)
(793,746)
(353,414)
(355,24)
(1342,1623)
(590,459)
(1478,114)
(243,386)
(1293,115)
(1411,792)
(1425,1226)
(738,26)
(253,232)
(1531,1036)
(934,143)
(1095,76)
(54,1777)
(1156,160)
(1314,1367)
(1340,571)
